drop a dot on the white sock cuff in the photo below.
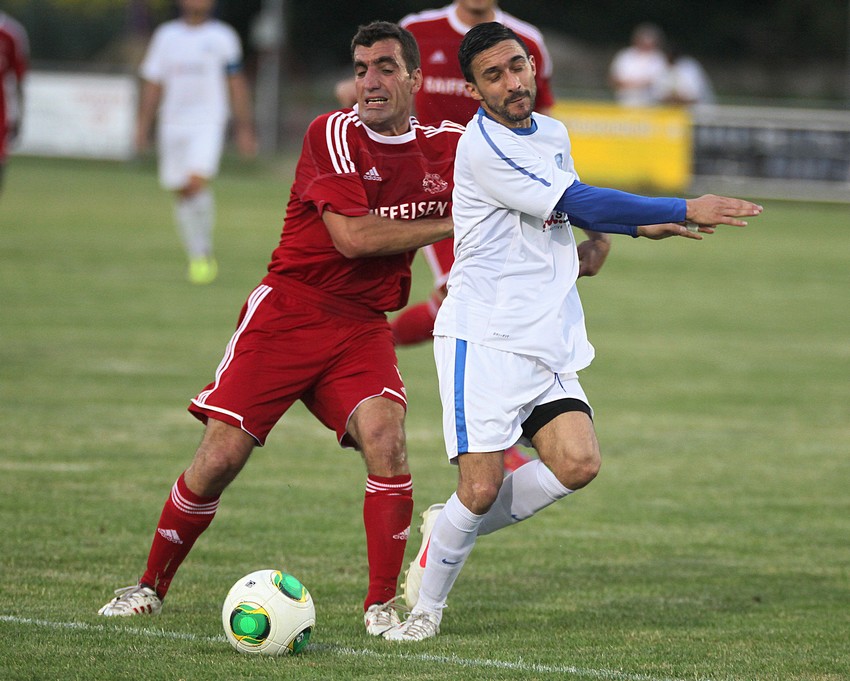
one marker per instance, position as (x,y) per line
(199,200)
(549,483)
(205,197)
(460,516)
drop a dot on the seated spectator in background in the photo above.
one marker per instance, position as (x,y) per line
(636,70)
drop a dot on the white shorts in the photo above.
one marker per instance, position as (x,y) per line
(488,394)
(186,150)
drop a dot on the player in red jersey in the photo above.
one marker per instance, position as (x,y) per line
(371,186)
(14,62)
(444,95)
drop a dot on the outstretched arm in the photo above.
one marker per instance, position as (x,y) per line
(710,210)
(613,211)
(372,235)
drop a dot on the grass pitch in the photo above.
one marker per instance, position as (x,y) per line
(715,544)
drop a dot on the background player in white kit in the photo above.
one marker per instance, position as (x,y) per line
(510,336)
(192,67)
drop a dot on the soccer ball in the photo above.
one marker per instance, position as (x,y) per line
(268,612)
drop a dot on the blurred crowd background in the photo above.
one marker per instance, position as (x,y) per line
(793,52)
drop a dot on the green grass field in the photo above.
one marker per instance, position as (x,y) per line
(715,544)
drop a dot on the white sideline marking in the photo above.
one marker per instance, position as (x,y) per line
(519,666)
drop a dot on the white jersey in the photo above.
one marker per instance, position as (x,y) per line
(642,70)
(512,286)
(192,64)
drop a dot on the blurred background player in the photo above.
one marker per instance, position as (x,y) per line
(444,96)
(636,70)
(14,62)
(685,81)
(192,67)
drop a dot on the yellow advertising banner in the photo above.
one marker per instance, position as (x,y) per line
(648,149)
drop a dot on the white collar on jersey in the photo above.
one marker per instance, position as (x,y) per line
(409,136)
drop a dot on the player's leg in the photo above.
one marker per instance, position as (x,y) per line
(478,422)
(194,211)
(253,387)
(362,397)
(194,498)
(568,447)
(188,511)
(513,459)
(415,323)
(188,158)
(451,542)
(562,432)
(378,427)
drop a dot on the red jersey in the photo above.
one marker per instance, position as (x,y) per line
(14,58)
(349,169)
(443,94)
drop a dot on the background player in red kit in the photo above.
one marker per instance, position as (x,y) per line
(371,186)
(14,62)
(443,95)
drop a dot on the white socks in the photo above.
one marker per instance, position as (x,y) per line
(452,540)
(195,217)
(529,489)
(524,492)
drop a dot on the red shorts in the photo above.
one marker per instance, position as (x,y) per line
(287,349)
(440,256)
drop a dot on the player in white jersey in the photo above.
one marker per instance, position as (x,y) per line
(510,335)
(191,69)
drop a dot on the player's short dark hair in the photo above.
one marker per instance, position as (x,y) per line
(369,34)
(483,37)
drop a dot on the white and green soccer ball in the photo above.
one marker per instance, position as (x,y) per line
(270,613)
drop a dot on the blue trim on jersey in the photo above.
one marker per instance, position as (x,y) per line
(233,68)
(460,412)
(530,130)
(506,159)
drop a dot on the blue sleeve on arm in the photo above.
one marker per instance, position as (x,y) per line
(610,210)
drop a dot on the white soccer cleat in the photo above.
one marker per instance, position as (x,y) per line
(413,574)
(132,600)
(381,617)
(418,627)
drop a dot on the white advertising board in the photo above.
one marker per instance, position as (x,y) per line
(78,115)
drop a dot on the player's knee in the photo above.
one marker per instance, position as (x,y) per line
(219,458)
(586,469)
(383,445)
(479,495)
(576,469)
(212,470)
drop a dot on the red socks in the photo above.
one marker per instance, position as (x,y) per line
(184,517)
(415,324)
(387,511)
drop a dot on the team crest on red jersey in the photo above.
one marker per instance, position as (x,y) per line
(434,184)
